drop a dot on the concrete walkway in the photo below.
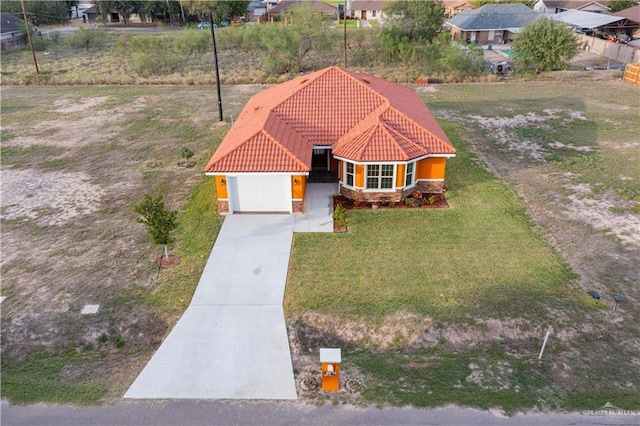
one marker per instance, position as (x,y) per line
(318,208)
(231,342)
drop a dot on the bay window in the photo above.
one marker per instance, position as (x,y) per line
(380,176)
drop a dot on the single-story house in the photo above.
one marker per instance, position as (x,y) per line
(367,9)
(375,139)
(632,16)
(550,7)
(453,7)
(12,34)
(491,23)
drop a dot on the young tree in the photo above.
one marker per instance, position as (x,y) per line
(544,45)
(290,48)
(158,221)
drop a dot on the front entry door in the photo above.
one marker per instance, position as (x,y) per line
(320,159)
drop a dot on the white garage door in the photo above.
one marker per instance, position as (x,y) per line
(260,193)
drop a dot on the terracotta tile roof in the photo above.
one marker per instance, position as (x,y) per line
(362,117)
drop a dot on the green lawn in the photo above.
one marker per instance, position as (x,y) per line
(478,257)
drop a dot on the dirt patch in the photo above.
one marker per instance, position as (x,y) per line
(71,105)
(48,198)
(85,125)
(601,213)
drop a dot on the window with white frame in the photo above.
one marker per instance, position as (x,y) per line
(380,176)
(349,172)
(409,174)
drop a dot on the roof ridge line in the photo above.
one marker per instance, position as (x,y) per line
(393,131)
(348,74)
(419,126)
(283,148)
(386,130)
(306,81)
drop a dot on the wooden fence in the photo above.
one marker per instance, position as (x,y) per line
(632,74)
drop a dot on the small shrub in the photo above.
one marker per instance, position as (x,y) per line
(431,199)
(118,341)
(103,338)
(86,39)
(186,153)
(339,219)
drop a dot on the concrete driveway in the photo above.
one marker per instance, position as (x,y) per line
(231,342)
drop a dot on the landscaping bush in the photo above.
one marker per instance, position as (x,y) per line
(86,39)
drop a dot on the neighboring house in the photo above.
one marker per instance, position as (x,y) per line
(632,15)
(491,23)
(255,10)
(367,9)
(453,7)
(551,7)
(376,139)
(12,34)
(90,15)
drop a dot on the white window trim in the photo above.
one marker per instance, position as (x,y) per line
(413,174)
(344,175)
(393,181)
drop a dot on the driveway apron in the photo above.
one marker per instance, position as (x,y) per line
(231,342)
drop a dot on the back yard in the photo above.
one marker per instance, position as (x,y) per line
(430,306)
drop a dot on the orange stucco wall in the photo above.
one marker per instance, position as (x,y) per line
(298,190)
(431,168)
(333,164)
(340,171)
(400,175)
(221,189)
(360,175)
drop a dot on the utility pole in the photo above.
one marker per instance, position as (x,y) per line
(26,25)
(215,63)
(344,17)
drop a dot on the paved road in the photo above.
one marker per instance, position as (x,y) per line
(273,413)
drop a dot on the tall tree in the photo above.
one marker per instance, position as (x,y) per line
(414,20)
(618,5)
(479,3)
(40,12)
(544,45)
(221,9)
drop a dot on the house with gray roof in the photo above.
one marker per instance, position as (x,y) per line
(12,33)
(491,23)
